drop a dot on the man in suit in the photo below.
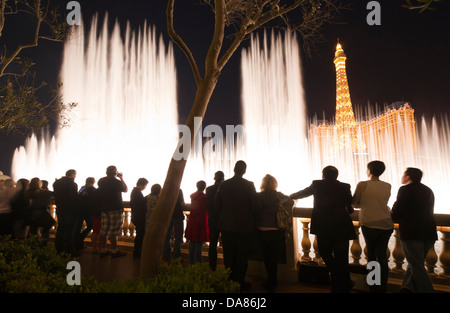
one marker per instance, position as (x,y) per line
(138,204)
(66,200)
(414,212)
(236,204)
(332,224)
(213,219)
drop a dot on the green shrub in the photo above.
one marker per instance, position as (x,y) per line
(172,277)
(31,266)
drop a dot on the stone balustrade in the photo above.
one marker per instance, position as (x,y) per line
(437,261)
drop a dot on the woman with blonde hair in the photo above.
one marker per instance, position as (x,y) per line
(269,235)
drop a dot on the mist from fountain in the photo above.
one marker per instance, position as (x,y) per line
(433,158)
(274,112)
(125,88)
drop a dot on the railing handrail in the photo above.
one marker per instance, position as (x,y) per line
(440,219)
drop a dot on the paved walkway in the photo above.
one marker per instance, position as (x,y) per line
(126,267)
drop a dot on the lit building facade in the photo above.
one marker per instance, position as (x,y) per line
(379,136)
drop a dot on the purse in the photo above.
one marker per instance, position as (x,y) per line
(284,219)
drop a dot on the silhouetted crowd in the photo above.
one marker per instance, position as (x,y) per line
(235,211)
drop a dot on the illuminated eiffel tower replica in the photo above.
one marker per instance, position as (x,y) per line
(350,141)
(346,126)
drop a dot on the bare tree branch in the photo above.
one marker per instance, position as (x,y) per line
(175,37)
(422,5)
(21,110)
(252,15)
(217,41)
(240,35)
(40,12)
(16,52)
(2,15)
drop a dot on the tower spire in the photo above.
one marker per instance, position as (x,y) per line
(344,111)
(345,118)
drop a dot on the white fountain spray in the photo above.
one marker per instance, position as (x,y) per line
(127,110)
(274,112)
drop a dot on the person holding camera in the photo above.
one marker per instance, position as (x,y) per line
(111,206)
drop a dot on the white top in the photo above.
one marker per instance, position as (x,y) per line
(372,197)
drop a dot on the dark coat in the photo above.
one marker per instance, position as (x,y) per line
(88,200)
(197,224)
(332,208)
(237,205)
(178,214)
(110,194)
(269,202)
(65,191)
(414,212)
(138,204)
(20,204)
(213,215)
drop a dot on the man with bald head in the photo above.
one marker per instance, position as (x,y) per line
(237,204)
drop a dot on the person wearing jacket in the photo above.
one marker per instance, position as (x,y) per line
(332,224)
(375,220)
(66,200)
(237,205)
(197,225)
(414,212)
(213,217)
(268,233)
(138,205)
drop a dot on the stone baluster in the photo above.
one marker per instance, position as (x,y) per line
(125,224)
(306,242)
(317,257)
(430,261)
(397,253)
(444,256)
(52,208)
(356,249)
(131,229)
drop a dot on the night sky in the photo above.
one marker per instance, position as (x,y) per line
(406,58)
